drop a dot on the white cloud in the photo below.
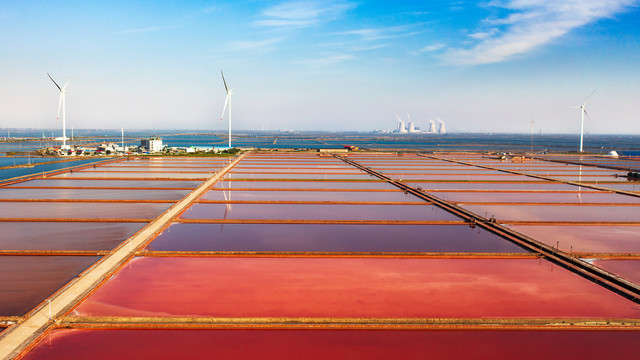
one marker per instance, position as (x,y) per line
(430,48)
(299,14)
(532,24)
(375,34)
(255,46)
(327,60)
(483,34)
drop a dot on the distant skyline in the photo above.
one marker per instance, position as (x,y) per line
(487,66)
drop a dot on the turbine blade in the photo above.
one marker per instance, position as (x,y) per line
(59,106)
(65,86)
(225,83)
(585,102)
(586,113)
(224,109)
(54,82)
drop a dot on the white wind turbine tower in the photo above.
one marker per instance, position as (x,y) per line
(227,101)
(61,103)
(583,112)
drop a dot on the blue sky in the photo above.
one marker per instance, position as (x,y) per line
(489,66)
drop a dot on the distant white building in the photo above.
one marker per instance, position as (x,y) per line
(152,144)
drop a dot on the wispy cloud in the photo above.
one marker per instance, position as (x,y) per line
(531,24)
(255,46)
(327,60)
(430,48)
(483,35)
(383,33)
(300,14)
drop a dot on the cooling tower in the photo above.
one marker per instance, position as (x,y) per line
(432,127)
(441,130)
(401,128)
(412,127)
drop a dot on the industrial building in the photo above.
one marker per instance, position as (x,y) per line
(152,144)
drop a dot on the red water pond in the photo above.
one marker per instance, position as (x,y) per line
(557,213)
(336,344)
(589,239)
(64,236)
(25,281)
(306,184)
(309,196)
(540,197)
(627,268)
(352,288)
(109,183)
(330,176)
(317,212)
(82,210)
(539,185)
(17,193)
(329,238)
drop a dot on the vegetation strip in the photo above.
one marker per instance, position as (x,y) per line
(185,322)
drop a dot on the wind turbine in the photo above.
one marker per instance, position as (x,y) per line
(61,103)
(583,111)
(227,101)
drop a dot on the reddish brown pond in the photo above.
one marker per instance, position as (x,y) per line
(25,281)
(149,174)
(355,176)
(557,213)
(481,177)
(330,238)
(82,210)
(317,212)
(588,239)
(336,344)
(540,185)
(539,197)
(627,268)
(17,193)
(110,183)
(306,184)
(310,196)
(352,288)
(64,236)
